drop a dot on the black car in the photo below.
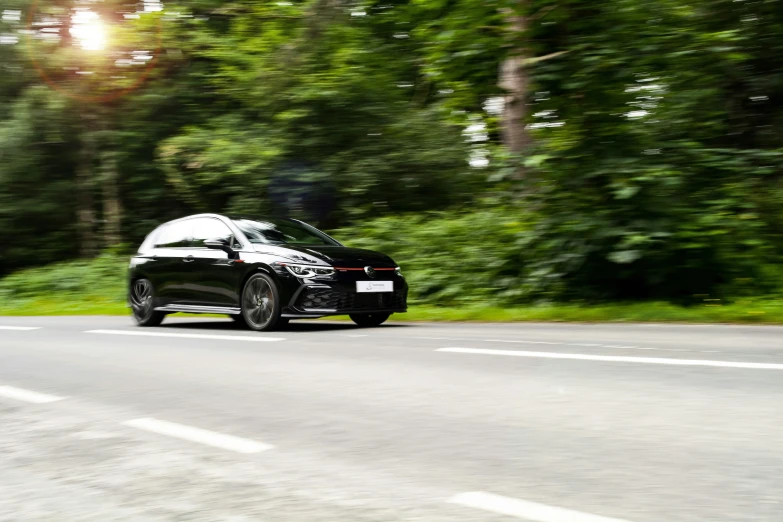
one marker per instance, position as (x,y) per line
(261,272)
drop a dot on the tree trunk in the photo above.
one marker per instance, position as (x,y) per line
(514,80)
(112,205)
(85,211)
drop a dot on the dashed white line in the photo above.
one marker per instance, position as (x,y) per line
(613,358)
(521,342)
(560,343)
(20,328)
(531,511)
(27,395)
(444,338)
(210,438)
(187,336)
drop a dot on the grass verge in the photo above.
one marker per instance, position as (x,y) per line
(750,313)
(747,313)
(97,287)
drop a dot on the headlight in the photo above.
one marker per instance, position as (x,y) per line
(308,271)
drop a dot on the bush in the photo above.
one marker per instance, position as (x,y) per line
(450,258)
(101,278)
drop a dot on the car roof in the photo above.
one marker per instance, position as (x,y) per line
(256,218)
(230,218)
(183,218)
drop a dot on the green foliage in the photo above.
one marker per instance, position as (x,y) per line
(101,280)
(657,126)
(306,113)
(36,211)
(97,287)
(661,137)
(451,259)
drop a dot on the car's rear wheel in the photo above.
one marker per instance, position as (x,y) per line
(142,300)
(261,303)
(369,320)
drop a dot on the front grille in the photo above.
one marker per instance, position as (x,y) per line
(331,299)
(319,298)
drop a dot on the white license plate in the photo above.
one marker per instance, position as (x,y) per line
(374,286)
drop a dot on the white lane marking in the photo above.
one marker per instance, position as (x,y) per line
(210,438)
(531,511)
(616,358)
(560,343)
(27,395)
(445,338)
(346,335)
(20,328)
(522,342)
(187,336)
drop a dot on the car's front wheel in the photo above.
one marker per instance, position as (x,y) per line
(369,320)
(240,320)
(261,303)
(142,301)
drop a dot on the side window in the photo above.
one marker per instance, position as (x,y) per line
(209,228)
(149,241)
(175,235)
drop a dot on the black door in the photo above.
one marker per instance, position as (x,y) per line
(172,246)
(214,278)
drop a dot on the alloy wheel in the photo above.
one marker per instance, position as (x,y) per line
(259,303)
(141,298)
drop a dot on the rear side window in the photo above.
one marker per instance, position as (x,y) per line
(149,241)
(175,235)
(281,232)
(210,228)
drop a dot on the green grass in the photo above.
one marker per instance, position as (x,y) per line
(72,288)
(770,313)
(97,287)
(648,312)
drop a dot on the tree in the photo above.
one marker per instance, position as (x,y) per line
(305,99)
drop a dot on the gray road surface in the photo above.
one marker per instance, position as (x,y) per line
(447,422)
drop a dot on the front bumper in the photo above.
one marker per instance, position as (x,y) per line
(318,298)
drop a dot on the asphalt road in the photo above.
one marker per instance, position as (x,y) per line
(200,420)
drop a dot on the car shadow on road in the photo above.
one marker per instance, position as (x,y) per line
(293,326)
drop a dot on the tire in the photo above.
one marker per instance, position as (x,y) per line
(261,303)
(142,301)
(240,320)
(369,320)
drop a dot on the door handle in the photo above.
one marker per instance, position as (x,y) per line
(189,259)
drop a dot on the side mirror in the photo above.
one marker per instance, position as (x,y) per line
(220,244)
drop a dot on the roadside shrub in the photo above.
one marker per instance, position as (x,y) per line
(103,277)
(450,258)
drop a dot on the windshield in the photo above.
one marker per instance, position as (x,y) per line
(281,232)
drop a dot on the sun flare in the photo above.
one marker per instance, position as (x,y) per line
(88,30)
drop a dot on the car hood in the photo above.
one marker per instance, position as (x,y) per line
(338,256)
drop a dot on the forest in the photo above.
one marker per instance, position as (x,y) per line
(505,152)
